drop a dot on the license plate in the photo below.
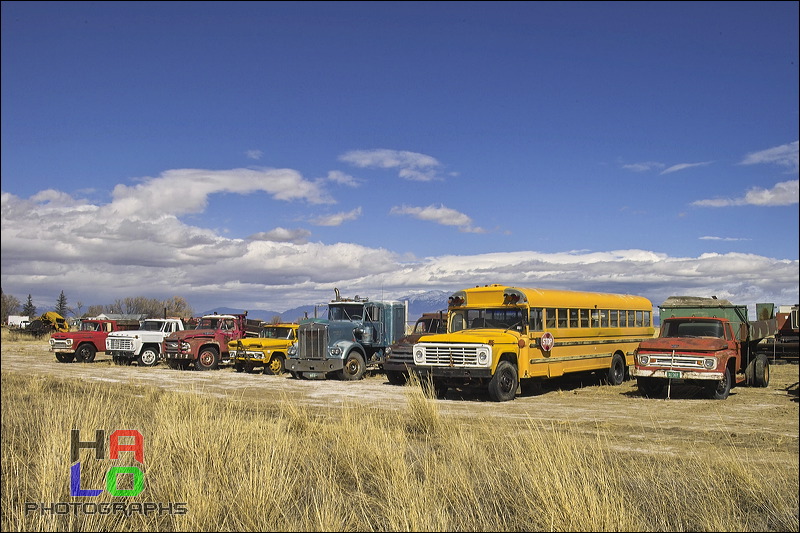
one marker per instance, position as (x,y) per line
(674,375)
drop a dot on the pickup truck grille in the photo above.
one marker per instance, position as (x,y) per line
(61,345)
(667,360)
(119,344)
(450,354)
(312,341)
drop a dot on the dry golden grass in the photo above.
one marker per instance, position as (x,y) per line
(280,465)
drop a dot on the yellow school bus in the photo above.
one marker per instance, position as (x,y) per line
(506,338)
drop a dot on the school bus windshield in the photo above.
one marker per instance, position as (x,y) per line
(498,318)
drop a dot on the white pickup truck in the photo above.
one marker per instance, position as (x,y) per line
(141,345)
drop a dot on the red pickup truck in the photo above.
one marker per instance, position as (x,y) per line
(83,345)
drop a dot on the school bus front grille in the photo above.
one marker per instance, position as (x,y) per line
(450,354)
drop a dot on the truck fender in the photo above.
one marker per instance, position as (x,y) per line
(346,346)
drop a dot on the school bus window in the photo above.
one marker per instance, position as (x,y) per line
(536,319)
(563,318)
(604,318)
(595,318)
(550,318)
(584,318)
(613,320)
(623,319)
(573,318)
(631,319)
(639,319)
(647,318)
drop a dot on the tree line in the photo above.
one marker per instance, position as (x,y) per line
(175,306)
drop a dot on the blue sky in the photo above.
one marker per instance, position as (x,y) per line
(258,154)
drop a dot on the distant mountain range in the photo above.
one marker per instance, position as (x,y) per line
(426,302)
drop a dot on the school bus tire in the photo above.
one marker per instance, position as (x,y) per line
(616,372)
(504,383)
(396,377)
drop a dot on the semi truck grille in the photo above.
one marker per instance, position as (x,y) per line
(119,344)
(312,342)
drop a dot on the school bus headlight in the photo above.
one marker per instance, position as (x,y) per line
(643,360)
(292,351)
(419,356)
(483,357)
(710,363)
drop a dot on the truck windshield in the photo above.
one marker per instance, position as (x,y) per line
(693,328)
(208,323)
(90,326)
(152,326)
(277,333)
(345,312)
(502,318)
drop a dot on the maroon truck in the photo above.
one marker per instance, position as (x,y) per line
(704,342)
(83,345)
(399,359)
(206,346)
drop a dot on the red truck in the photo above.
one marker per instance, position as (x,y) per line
(705,342)
(206,346)
(83,345)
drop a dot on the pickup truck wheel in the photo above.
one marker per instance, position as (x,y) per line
(239,367)
(650,387)
(249,368)
(719,390)
(396,378)
(65,357)
(504,383)
(85,353)
(616,373)
(354,367)
(148,357)
(275,366)
(761,371)
(208,359)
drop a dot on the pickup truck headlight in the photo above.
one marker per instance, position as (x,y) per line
(185,346)
(643,360)
(710,363)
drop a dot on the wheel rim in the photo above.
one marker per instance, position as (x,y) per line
(506,381)
(275,365)
(352,367)
(148,357)
(206,358)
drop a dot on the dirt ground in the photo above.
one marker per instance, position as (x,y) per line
(762,419)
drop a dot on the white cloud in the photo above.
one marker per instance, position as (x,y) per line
(337,219)
(411,165)
(784,193)
(726,239)
(440,215)
(785,155)
(296,236)
(254,154)
(341,178)
(644,167)
(182,191)
(684,166)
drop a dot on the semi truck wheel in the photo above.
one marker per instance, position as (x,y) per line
(504,383)
(719,390)
(148,357)
(65,357)
(616,372)
(761,371)
(354,367)
(208,359)
(85,353)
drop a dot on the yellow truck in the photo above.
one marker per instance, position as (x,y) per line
(268,350)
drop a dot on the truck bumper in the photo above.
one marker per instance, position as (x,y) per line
(465,374)
(666,373)
(62,350)
(314,365)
